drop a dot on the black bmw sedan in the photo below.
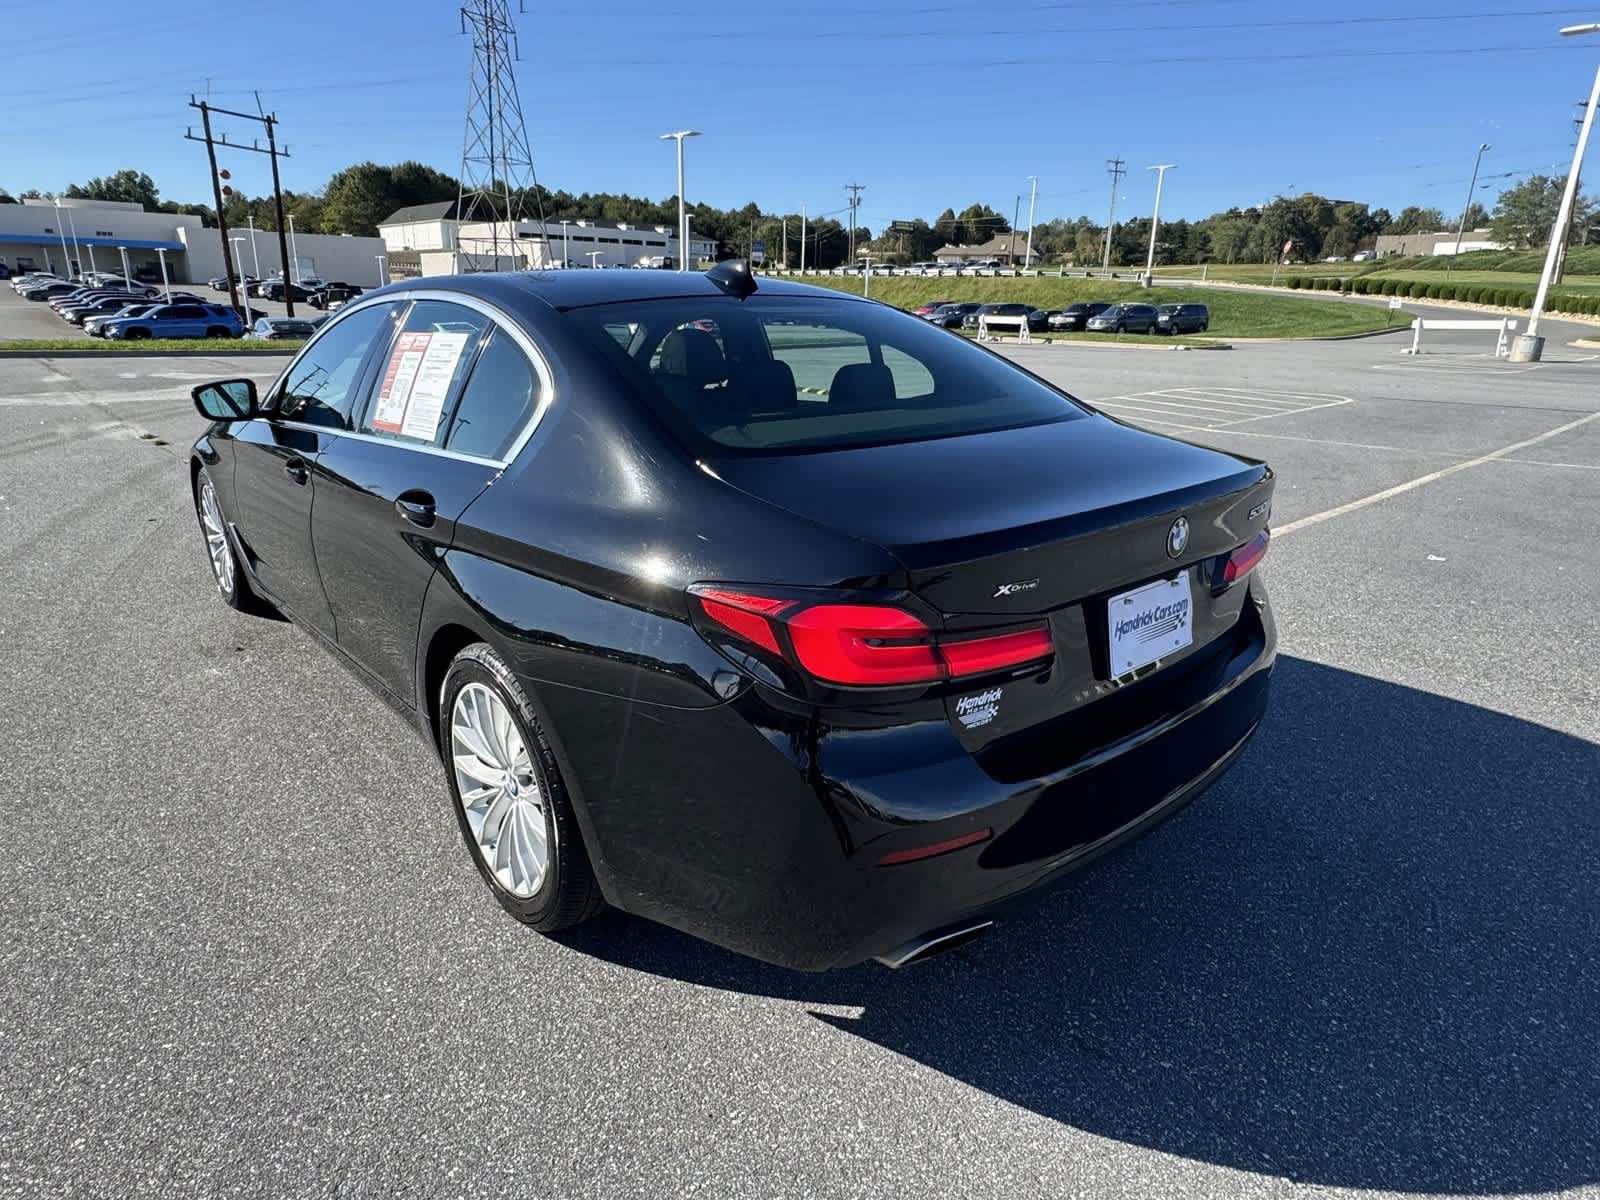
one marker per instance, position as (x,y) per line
(775,615)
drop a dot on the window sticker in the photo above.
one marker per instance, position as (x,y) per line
(416,382)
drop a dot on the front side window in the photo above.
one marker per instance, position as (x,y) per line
(426,363)
(786,375)
(320,388)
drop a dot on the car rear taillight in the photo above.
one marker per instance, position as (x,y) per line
(864,645)
(1243,560)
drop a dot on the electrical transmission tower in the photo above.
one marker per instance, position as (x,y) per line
(496,164)
(1116,169)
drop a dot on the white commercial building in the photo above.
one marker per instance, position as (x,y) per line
(85,235)
(427,239)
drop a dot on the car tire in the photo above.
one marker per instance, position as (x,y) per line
(1120,329)
(218,331)
(221,550)
(134,335)
(550,893)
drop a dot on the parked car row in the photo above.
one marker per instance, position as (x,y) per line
(1096,315)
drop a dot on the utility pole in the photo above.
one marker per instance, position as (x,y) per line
(1462,223)
(855,190)
(1116,168)
(786,242)
(1161,170)
(802,239)
(1033,195)
(272,151)
(216,190)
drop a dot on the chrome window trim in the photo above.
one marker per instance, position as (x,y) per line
(497,316)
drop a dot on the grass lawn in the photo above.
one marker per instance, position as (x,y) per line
(211,346)
(1233,313)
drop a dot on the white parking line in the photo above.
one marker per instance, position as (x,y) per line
(1409,485)
(1216,407)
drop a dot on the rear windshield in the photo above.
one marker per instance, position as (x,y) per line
(796,375)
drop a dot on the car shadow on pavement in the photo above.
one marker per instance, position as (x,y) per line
(1368,958)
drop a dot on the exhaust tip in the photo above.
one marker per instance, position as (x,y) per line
(931,945)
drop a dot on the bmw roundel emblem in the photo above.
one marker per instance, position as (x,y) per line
(1178,537)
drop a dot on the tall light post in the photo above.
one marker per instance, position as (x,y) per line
(238,266)
(683,212)
(866,274)
(1161,170)
(77,251)
(1529,347)
(1461,225)
(166,283)
(565,244)
(802,239)
(1033,194)
(594,256)
(383,268)
(66,255)
(255,254)
(127,271)
(294,254)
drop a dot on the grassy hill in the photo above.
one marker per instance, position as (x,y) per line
(1233,313)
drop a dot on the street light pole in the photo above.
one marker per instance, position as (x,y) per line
(76,249)
(802,239)
(166,284)
(294,256)
(1461,225)
(1033,194)
(565,244)
(1529,347)
(66,256)
(254,253)
(683,212)
(1161,170)
(593,256)
(383,268)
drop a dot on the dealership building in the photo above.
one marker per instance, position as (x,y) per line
(65,236)
(428,239)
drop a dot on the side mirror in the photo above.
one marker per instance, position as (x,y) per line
(230,400)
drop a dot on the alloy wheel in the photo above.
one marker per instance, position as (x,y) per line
(501,796)
(216,538)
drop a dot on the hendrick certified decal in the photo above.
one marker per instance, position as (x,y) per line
(978,709)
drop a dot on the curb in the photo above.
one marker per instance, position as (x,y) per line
(1147,346)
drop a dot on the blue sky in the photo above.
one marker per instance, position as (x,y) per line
(926,102)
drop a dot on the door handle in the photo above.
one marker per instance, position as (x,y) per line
(295,469)
(416,507)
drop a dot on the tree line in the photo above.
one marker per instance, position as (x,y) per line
(357,198)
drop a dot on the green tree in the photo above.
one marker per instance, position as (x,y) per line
(6,197)
(1417,220)
(1526,214)
(360,196)
(131,187)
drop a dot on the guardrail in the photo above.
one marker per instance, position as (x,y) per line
(1503,326)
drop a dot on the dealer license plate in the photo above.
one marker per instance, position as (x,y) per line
(1150,622)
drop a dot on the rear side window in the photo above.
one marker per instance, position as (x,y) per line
(497,403)
(786,375)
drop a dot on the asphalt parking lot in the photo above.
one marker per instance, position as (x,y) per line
(21,318)
(245,953)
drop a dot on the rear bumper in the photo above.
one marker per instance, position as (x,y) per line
(742,826)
